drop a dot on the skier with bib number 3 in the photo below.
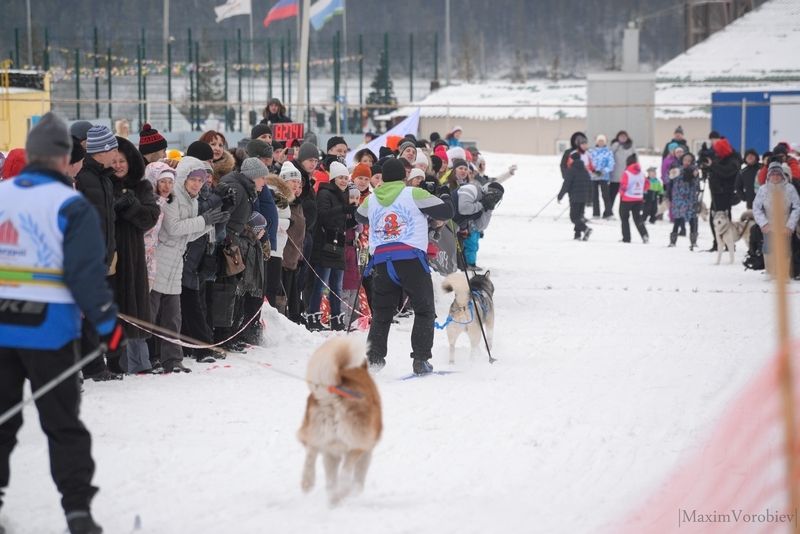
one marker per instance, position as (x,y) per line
(398,240)
(52,270)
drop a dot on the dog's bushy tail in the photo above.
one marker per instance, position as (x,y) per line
(457,282)
(328,361)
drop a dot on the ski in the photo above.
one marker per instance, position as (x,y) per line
(439,373)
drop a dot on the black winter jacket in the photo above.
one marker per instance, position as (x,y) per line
(332,221)
(308,199)
(96,184)
(577,182)
(745,183)
(129,283)
(245,196)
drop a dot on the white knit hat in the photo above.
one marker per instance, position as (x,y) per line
(416,173)
(337,169)
(289,172)
(422,159)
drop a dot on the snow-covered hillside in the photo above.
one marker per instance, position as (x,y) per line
(614,359)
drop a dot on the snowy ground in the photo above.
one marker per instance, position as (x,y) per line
(613,361)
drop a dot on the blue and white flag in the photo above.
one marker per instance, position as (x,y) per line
(323,10)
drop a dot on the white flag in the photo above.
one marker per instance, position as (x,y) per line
(232,8)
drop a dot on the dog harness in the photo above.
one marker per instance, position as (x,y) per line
(484,310)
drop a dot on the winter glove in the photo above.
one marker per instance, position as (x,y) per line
(125,201)
(350,209)
(490,200)
(228,199)
(114,339)
(267,250)
(463,233)
(216,216)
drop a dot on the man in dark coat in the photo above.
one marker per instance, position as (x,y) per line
(745,181)
(245,185)
(577,184)
(722,164)
(678,138)
(136,211)
(95,182)
(306,161)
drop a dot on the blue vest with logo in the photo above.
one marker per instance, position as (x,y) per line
(37,309)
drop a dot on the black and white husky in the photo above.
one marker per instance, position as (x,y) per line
(463,316)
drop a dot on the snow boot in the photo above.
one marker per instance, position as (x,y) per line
(337,322)
(673,238)
(104,376)
(376,363)
(586,235)
(577,236)
(314,322)
(692,240)
(81,522)
(280,305)
(176,366)
(422,367)
(204,356)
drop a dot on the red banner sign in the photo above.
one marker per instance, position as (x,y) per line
(288,130)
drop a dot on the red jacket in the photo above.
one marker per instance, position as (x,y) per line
(634,184)
(794,167)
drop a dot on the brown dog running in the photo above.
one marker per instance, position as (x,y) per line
(343,417)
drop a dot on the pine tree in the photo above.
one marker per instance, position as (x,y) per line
(382,87)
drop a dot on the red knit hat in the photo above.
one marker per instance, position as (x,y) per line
(150,140)
(362,169)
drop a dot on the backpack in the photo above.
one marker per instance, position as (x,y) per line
(458,218)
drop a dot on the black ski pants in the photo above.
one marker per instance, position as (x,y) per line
(385,294)
(626,209)
(70,443)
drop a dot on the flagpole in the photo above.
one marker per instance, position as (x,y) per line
(344,36)
(250,70)
(304,38)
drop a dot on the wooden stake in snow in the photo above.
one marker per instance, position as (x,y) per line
(780,262)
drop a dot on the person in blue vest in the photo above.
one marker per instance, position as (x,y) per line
(398,240)
(52,270)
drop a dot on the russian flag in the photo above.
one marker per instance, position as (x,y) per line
(282,10)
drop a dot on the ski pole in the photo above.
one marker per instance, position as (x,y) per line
(74,368)
(562,213)
(475,304)
(543,207)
